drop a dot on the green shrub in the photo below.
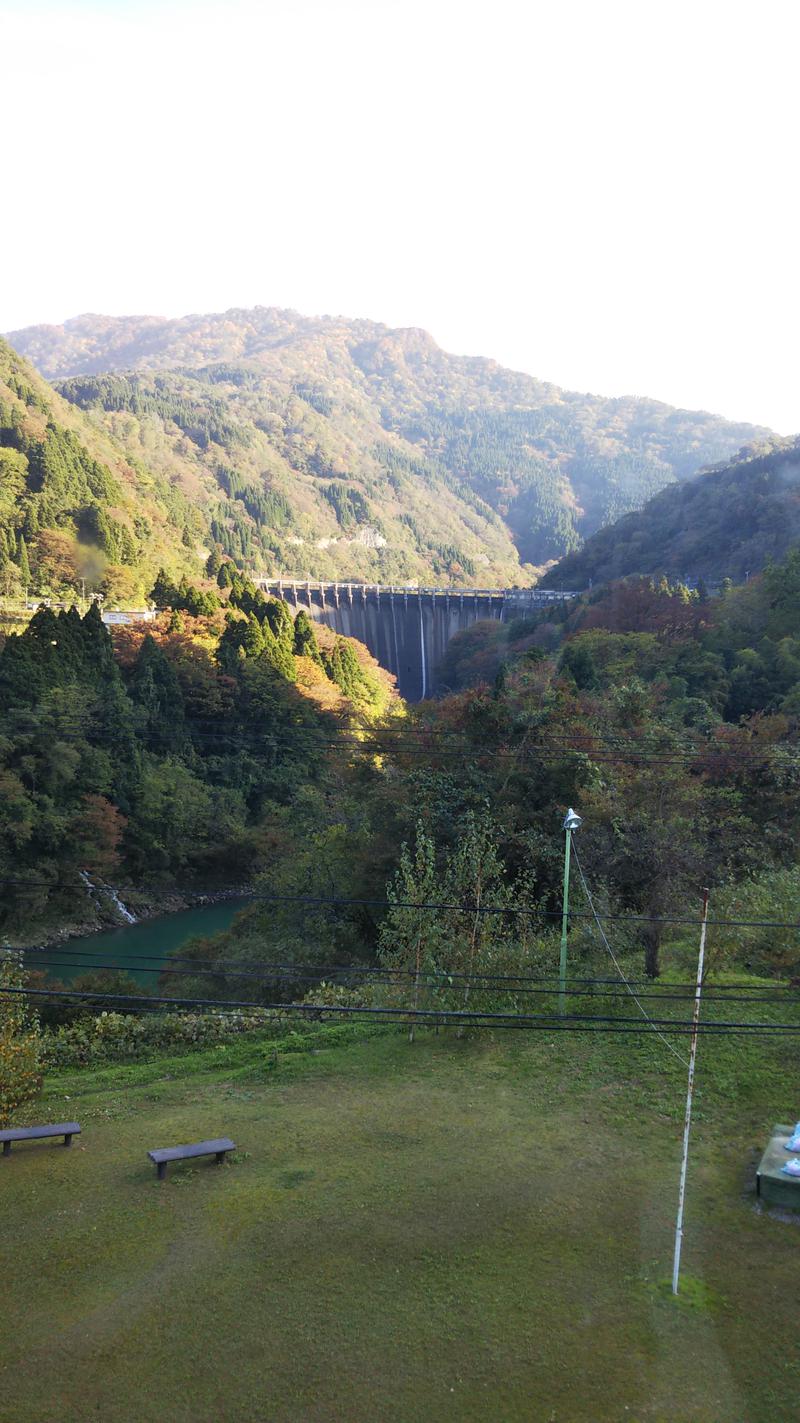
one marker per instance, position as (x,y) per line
(20,1041)
(115,1037)
(762,947)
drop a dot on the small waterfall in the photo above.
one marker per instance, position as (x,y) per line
(422,650)
(396,667)
(118,905)
(108,890)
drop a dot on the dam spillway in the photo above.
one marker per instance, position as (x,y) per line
(407,629)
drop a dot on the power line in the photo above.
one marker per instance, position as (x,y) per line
(476,984)
(291,966)
(643,1011)
(535,912)
(405,731)
(385,743)
(277,974)
(475,1017)
(546,756)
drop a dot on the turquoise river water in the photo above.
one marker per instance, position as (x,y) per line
(140,949)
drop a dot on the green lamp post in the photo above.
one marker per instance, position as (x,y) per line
(571,823)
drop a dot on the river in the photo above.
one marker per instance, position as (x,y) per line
(140,949)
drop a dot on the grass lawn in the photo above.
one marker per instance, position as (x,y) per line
(475,1229)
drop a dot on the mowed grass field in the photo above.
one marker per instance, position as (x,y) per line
(458,1229)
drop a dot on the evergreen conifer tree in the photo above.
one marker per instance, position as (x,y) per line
(253,640)
(305,638)
(343,668)
(163,592)
(156,690)
(22,560)
(277,654)
(229,649)
(280,621)
(70,641)
(97,650)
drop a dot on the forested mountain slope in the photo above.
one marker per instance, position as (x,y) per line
(161,753)
(378,454)
(169,473)
(74,505)
(727,523)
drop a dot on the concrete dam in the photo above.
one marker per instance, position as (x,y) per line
(407,629)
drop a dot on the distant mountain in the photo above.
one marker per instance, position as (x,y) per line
(333,448)
(166,474)
(728,522)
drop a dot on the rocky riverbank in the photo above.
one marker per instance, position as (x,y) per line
(141,904)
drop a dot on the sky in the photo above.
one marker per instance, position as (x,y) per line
(600,194)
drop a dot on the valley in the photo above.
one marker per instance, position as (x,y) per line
(399,713)
(331,449)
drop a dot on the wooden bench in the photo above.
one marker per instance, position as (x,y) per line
(66,1129)
(165,1154)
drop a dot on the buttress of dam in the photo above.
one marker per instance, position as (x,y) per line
(407,629)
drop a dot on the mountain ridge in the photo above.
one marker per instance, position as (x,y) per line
(727,523)
(329,447)
(31,342)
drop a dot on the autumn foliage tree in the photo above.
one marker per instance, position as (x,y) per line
(97,831)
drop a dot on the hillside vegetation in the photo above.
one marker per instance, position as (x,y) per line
(727,523)
(160,756)
(669,721)
(74,506)
(326,447)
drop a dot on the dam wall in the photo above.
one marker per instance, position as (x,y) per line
(406,629)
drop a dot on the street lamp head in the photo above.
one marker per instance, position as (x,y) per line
(571,820)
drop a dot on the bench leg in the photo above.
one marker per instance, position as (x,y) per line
(6,1148)
(68,1138)
(220,1156)
(161,1170)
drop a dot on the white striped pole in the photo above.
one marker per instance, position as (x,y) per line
(676,1264)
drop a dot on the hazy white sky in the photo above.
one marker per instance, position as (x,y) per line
(603,194)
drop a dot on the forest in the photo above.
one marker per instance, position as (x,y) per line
(727,523)
(76,515)
(158,758)
(668,719)
(230,742)
(328,448)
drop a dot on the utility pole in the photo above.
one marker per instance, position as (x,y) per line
(571,822)
(676,1264)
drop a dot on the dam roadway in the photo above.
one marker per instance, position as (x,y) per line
(407,629)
